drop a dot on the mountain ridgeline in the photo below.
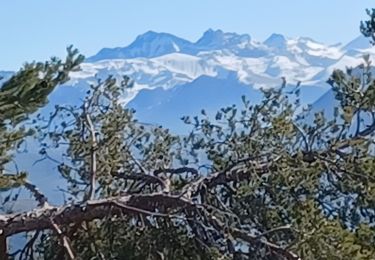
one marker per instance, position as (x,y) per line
(173,77)
(163,65)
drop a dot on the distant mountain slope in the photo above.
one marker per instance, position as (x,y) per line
(327,102)
(4,75)
(166,107)
(161,64)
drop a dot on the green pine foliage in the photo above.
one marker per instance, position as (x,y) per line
(22,95)
(257,181)
(314,178)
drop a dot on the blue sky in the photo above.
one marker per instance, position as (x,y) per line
(39,29)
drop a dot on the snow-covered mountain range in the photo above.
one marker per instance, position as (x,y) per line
(164,60)
(174,77)
(167,70)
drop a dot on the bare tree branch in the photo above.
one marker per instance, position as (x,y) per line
(274,230)
(94,144)
(3,246)
(39,218)
(245,236)
(28,248)
(64,241)
(37,194)
(145,204)
(180,170)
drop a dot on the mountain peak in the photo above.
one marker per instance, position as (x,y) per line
(152,35)
(150,44)
(211,36)
(149,32)
(212,33)
(218,38)
(275,40)
(147,35)
(361,42)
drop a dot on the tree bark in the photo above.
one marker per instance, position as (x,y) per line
(3,247)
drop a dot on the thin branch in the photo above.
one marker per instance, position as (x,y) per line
(140,166)
(274,230)
(28,248)
(37,194)
(63,240)
(144,178)
(180,170)
(94,144)
(245,236)
(237,171)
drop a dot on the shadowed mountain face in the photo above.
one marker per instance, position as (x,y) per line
(166,107)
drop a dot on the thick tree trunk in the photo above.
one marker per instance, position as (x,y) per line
(3,247)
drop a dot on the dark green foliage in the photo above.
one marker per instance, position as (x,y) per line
(20,96)
(120,140)
(313,181)
(368,27)
(258,181)
(121,239)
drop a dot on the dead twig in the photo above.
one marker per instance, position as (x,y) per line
(64,240)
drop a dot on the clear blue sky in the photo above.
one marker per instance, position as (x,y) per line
(39,29)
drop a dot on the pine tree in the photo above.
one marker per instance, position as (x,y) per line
(258,181)
(20,96)
(368,27)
